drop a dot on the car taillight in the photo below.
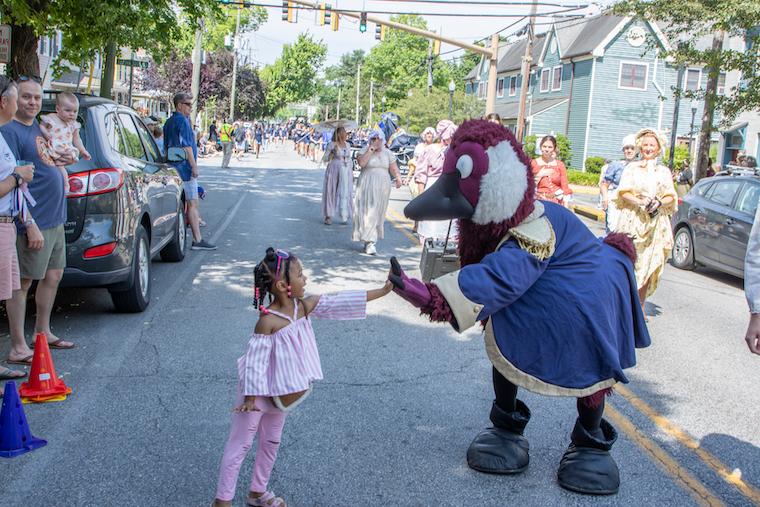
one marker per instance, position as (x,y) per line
(94,182)
(99,251)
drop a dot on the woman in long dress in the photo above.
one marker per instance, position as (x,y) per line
(373,191)
(551,174)
(428,173)
(647,199)
(427,137)
(337,193)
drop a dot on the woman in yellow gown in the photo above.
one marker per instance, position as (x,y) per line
(647,199)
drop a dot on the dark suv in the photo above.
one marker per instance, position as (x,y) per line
(124,206)
(714,220)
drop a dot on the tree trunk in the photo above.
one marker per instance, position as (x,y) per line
(24,59)
(106,75)
(711,89)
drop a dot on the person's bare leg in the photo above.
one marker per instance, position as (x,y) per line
(194,218)
(16,308)
(47,288)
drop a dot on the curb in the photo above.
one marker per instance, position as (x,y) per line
(583,189)
(589,212)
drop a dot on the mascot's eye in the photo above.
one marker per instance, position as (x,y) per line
(464,166)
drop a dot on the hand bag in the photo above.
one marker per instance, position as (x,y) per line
(437,259)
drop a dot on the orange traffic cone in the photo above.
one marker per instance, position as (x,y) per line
(43,383)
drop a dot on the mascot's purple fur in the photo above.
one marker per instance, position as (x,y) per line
(559,306)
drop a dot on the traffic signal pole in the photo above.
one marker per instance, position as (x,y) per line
(492,53)
(235,64)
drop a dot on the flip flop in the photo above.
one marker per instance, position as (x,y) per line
(26,361)
(56,345)
(7,376)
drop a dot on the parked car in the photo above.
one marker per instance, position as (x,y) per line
(714,220)
(124,206)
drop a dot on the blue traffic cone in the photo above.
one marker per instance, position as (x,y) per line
(15,436)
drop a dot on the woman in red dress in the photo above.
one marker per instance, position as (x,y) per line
(551,174)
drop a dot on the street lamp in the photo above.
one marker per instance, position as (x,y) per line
(383,102)
(452,87)
(694,105)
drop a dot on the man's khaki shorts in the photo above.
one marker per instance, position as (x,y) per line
(34,263)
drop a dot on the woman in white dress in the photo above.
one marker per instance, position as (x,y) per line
(337,193)
(373,191)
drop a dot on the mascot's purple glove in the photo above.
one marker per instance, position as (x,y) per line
(413,290)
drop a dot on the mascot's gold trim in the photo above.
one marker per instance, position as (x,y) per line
(465,311)
(529,382)
(535,234)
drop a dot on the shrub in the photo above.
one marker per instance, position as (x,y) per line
(594,165)
(564,152)
(681,154)
(576,177)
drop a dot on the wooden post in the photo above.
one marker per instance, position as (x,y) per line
(491,90)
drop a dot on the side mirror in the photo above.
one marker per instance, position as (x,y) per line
(176,154)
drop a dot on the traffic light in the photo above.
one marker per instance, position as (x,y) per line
(436,47)
(363,22)
(335,22)
(325,14)
(289,13)
(379,32)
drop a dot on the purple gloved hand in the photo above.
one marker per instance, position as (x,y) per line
(413,290)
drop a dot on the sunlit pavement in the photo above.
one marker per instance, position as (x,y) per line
(402,397)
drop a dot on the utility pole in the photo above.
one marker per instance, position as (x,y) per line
(711,88)
(674,128)
(371,100)
(430,67)
(234,64)
(195,84)
(109,65)
(525,73)
(358,83)
(337,112)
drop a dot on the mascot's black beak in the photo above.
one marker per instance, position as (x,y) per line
(442,201)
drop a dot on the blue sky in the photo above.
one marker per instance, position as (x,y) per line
(265,45)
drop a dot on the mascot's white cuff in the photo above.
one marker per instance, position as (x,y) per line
(465,311)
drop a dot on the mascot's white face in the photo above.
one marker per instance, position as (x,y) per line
(503,187)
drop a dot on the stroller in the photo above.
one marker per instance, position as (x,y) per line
(398,141)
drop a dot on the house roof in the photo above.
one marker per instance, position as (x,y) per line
(509,110)
(512,54)
(583,38)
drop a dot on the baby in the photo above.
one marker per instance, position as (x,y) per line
(61,129)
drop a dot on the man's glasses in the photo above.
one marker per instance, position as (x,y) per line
(36,79)
(186,103)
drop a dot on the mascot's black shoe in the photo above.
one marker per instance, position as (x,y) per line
(502,449)
(587,466)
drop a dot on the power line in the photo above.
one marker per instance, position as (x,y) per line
(479,2)
(409,13)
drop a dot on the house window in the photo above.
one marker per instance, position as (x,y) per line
(721,83)
(693,78)
(500,88)
(481,90)
(43,45)
(557,78)
(545,80)
(633,76)
(513,86)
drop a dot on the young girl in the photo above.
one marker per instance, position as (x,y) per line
(278,368)
(61,129)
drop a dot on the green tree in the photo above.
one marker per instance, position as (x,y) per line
(89,27)
(686,23)
(420,110)
(219,25)
(293,76)
(341,78)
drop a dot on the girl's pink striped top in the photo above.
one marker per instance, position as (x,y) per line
(287,361)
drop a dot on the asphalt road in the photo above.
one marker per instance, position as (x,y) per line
(402,397)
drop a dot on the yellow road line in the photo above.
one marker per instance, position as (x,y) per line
(725,473)
(400,222)
(699,491)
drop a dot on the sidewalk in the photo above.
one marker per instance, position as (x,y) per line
(585,201)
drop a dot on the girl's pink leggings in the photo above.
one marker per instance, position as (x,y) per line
(268,422)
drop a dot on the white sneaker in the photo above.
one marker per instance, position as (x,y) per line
(370,249)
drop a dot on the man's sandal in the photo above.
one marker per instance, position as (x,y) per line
(266,500)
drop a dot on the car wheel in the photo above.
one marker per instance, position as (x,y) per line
(683,249)
(175,250)
(136,298)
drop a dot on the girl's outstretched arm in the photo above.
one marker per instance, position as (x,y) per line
(378,293)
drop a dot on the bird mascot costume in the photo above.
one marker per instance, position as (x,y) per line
(559,306)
